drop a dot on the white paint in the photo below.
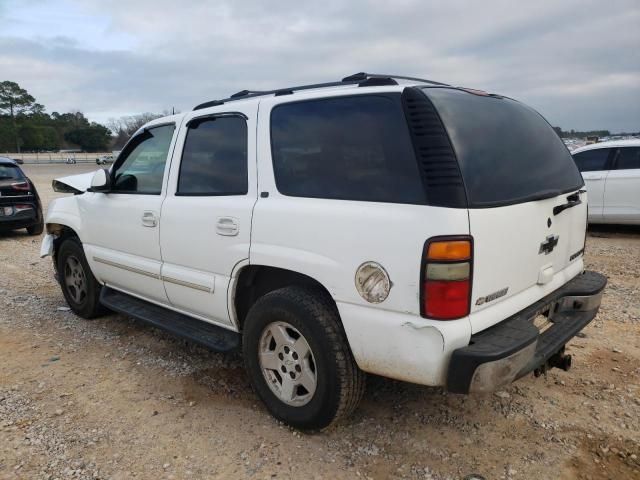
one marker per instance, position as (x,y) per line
(506,244)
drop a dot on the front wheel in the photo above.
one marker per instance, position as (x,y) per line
(298,358)
(79,286)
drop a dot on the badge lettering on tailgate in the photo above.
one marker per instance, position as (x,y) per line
(493,296)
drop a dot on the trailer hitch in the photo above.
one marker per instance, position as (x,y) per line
(557,360)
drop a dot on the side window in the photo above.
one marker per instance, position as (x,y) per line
(347,148)
(140,168)
(592,160)
(214,158)
(628,158)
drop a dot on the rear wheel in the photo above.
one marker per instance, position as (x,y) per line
(79,286)
(298,358)
(36,229)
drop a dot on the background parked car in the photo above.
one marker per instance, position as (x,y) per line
(611,171)
(104,159)
(19,201)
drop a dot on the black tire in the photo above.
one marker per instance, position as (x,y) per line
(85,305)
(36,229)
(340,383)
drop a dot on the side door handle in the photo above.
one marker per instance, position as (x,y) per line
(227,226)
(149,219)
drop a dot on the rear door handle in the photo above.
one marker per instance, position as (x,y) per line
(149,219)
(227,226)
(572,201)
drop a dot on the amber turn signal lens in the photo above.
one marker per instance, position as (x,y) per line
(454,250)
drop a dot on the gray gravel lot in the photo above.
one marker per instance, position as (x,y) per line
(111,398)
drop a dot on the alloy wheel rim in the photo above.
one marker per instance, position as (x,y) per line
(75,279)
(287,364)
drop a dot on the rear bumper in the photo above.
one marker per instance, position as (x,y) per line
(513,348)
(19,220)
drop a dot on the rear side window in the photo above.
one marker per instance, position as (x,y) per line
(592,160)
(348,148)
(9,172)
(506,151)
(214,158)
(628,158)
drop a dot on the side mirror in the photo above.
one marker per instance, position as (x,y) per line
(101,181)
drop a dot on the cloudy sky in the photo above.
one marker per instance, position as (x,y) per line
(577,62)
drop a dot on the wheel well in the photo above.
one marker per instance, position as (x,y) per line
(255,281)
(62,232)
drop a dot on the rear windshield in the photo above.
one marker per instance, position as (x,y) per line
(507,152)
(10,172)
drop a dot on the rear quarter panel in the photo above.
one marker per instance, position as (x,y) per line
(329,239)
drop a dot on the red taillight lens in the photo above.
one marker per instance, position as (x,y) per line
(446,278)
(446,300)
(23,186)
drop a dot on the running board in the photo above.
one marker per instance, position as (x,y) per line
(211,336)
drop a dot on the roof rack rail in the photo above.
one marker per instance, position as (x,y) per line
(362,79)
(361,76)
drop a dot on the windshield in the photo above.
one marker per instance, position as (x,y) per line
(507,152)
(10,172)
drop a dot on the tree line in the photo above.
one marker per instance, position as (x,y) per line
(26,127)
(590,133)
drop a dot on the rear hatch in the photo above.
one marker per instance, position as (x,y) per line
(527,209)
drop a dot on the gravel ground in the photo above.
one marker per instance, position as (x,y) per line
(111,398)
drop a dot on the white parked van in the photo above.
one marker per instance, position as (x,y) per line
(378,224)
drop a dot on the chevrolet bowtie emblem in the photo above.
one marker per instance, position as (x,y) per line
(549,244)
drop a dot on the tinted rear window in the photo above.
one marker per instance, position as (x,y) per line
(507,152)
(592,160)
(10,172)
(348,148)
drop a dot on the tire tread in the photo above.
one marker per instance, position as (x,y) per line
(324,311)
(94,308)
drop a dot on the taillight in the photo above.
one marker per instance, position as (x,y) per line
(446,278)
(21,208)
(23,186)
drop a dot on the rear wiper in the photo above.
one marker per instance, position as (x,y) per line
(573,200)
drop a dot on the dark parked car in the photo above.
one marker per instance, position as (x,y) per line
(20,205)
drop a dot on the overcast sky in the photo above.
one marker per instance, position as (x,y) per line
(577,62)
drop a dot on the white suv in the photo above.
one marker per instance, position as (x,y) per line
(377,224)
(611,171)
